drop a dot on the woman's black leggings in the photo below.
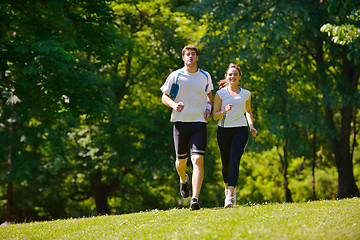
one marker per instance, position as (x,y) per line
(232,142)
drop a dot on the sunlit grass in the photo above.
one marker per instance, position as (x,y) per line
(338,219)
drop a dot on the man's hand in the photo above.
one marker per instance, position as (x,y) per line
(179,106)
(207,115)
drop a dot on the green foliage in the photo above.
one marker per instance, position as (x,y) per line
(261,179)
(51,53)
(347,34)
(343,34)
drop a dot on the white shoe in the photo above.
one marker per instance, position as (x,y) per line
(228,202)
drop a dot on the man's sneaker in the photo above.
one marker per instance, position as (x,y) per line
(229,202)
(184,189)
(194,204)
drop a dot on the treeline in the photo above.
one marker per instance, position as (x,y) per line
(83,131)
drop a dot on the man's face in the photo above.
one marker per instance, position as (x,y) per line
(190,58)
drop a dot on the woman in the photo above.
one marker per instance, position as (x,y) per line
(231,105)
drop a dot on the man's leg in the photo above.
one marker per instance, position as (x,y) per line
(198,146)
(180,165)
(198,174)
(181,143)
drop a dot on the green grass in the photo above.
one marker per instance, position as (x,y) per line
(338,219)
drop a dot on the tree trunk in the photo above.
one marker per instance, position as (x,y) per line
(100,193)
(313,164)
(343,159)
(9,194)
(288,197)
(9,201)
(101,202)
(347,186)
(284,165)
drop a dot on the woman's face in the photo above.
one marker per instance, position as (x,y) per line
(233,76)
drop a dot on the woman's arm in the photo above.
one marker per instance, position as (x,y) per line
(249,117)
(217,112)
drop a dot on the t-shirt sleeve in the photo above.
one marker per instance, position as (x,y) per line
(166,87)
(248,95)
(220,93)
(211,86)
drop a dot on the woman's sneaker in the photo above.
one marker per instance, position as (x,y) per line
(226,192)
(194,204)
(184,189)
(229,201)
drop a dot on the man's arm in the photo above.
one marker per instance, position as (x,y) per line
(207,114)
(170,103)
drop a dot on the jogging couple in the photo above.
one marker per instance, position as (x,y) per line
(188,91)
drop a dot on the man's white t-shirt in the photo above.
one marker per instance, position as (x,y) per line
(193,90)
(236,116)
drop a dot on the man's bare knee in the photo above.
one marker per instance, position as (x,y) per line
(197,160)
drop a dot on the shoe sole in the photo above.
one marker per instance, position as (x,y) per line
(195,206)
(186,195)
(228,206)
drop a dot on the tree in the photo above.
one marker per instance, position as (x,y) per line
(294,67)
(51,52)
(345,34)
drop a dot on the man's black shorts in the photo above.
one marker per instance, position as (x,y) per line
(191,135)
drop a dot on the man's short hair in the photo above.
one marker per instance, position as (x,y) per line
(190,47)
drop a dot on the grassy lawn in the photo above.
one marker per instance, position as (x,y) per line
(338,219)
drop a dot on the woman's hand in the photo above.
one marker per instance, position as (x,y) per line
(228,107)
(253,131)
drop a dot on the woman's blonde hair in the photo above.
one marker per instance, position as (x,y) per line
(223,83)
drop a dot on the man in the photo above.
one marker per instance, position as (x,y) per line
(188,92)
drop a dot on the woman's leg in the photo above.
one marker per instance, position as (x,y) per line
(224,143)
(238,144)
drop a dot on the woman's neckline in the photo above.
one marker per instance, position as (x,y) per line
(234,92)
